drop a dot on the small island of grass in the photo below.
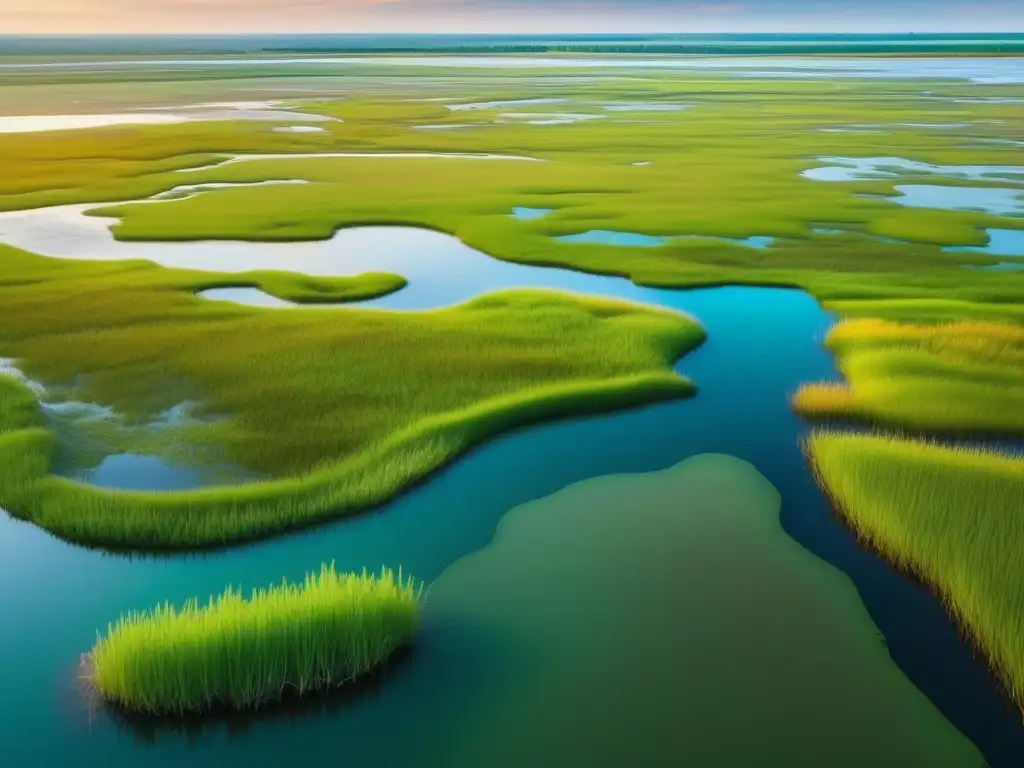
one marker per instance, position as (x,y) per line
(242,653)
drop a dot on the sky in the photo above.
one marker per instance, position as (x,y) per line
(506,16)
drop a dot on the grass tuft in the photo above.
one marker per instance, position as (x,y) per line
(242,653)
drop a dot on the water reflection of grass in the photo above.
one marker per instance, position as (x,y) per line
(951,516)
(240,652)
(149,729)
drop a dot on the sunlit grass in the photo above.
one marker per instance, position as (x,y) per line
(956,376)
(343,410)
(241,652)
(953,516)
(339,409)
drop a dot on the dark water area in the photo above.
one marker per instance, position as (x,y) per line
(678,592)
(762,344)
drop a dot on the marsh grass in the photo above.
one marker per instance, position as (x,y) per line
(340,410)
(343,410)
(966,376)
(241,652)
(952,516)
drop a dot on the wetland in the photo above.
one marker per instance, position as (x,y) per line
(561,390)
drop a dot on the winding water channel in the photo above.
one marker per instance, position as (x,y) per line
(762,344)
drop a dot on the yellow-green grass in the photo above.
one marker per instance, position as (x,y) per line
(961,376)
(340,409)
(239,652)
(713,172)
(306,397)
(472,199)
(952,516)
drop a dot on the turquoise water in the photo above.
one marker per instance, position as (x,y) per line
(838,169)
(763,343)
(1001,242)
(998,201)
(129,471)
(611,237)
(529,214)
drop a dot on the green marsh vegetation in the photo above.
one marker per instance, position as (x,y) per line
(339,410)
(962,376)
(308,399)
(952,516)
(242,652)
(713,172)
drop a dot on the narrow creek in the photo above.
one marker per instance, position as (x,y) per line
(762,344)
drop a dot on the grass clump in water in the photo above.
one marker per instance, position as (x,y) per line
(953,516)
(241,653)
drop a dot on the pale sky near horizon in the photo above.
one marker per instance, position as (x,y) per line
(507,16)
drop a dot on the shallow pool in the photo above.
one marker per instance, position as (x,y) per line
(635,239)
(1001,242)
(530,214)
(611,237)
(129,471)
(998,201)
(839,169)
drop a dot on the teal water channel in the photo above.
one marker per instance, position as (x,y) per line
(762,344)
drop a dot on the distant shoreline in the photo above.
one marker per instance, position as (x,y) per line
(30,61)
(944,44)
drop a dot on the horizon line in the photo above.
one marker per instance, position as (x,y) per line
(704,33)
